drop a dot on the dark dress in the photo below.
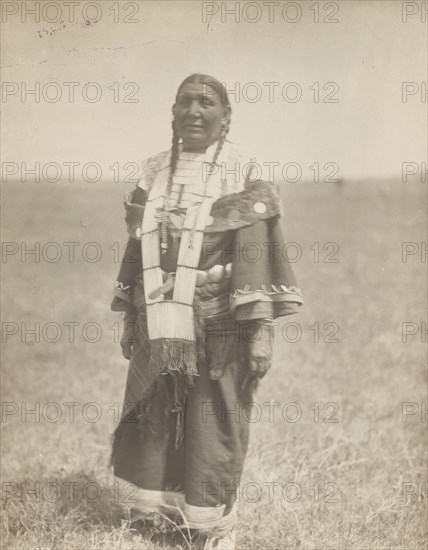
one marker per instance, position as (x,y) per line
(189,453)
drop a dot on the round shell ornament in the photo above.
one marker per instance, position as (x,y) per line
(260,207)
(216,273)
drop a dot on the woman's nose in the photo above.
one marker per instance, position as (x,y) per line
(194,108)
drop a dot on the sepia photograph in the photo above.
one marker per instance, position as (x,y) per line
(214,275)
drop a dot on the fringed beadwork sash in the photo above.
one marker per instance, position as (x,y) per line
(170,323)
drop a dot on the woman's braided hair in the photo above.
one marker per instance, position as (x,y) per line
(221,91)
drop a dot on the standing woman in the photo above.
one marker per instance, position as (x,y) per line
(201,280)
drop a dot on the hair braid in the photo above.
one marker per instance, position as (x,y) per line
(172,167)
(174,154)
(221,141)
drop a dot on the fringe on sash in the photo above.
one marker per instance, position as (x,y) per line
(180,357)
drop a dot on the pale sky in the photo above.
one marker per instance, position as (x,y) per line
(367,55)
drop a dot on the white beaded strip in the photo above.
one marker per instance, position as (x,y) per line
(162,316)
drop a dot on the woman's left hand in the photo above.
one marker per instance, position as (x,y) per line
(260,350)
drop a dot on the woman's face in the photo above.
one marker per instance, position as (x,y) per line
(199,116)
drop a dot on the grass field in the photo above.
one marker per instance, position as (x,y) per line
(339,485)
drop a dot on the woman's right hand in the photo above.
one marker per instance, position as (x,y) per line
(129,336)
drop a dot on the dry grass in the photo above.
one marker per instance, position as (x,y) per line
(369,373)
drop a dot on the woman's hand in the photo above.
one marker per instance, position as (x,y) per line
(260,348)
(129,336)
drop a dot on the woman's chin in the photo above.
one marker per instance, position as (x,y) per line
(196,144)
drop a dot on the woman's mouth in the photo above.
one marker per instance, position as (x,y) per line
(194,129)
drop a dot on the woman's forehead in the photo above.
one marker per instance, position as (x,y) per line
(198,89)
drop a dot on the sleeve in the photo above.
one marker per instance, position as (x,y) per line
(263,284)
(134,206)
(131,264)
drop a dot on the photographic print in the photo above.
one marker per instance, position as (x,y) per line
(214,275)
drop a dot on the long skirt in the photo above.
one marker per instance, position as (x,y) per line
(193,475)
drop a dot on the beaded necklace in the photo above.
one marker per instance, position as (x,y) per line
(167,201)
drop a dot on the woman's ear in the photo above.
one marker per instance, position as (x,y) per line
(227,111)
